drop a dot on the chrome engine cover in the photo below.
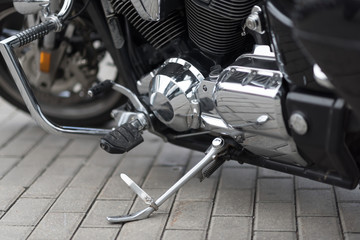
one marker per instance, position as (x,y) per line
(172,95)
(231,102)
(247,90)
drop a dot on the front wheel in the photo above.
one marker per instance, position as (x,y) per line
(81,61)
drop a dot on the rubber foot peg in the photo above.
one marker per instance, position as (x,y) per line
(122,139)
(100,88)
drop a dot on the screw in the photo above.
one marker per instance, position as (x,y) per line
(204,88)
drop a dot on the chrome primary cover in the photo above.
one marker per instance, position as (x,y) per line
(246,91)
(172,95)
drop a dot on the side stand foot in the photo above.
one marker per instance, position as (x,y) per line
(132,217)
(218,146)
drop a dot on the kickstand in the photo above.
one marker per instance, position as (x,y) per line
(218,146)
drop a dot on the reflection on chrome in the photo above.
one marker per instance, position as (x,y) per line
(148,9)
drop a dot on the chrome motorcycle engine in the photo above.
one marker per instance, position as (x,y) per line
(242,101)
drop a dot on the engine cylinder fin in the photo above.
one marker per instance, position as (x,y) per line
(159,33)
(234,9)
(216,28)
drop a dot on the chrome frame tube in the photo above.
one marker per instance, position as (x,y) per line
(7,50)
(65,10)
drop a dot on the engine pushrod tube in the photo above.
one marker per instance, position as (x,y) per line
(7,50)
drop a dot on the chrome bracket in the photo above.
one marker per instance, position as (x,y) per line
(218,146)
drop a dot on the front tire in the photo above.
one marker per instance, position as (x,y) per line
(64,110)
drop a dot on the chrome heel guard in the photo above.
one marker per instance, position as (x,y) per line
(218,146)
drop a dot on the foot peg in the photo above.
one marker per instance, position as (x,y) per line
(218,146)
(123,138)
(101,87)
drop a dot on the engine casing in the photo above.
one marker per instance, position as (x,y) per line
(231,102)
(172,95)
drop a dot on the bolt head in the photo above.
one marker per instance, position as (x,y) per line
(252,22)
(217,142)
(262,119)
(298,123)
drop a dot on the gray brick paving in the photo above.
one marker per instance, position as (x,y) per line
(51,183)
(15,232)
(230,202)
(238,178)
(96,233)
(196,190)
(352,236)
(345,195)
(74,200)
(275,190)
(162,177)
(24,142)
(230,228)
(326,228)
(190,215)
(12,126)
(172,156)
(316,203)
(274,236)
(181,235)
(8,195)
(57,226)
(26,212)
(91,177)
(275,217)
(58,188)
(349,213)
(80,148)
(6,163)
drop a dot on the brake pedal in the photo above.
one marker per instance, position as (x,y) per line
(122,139)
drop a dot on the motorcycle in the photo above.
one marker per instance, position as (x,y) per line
(270,83)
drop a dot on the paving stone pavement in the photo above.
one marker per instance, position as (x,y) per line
(57,188)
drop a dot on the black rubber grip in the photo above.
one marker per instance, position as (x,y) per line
(122,139)
(101,87)
(34,33)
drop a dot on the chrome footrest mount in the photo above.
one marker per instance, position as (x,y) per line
(217,147)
